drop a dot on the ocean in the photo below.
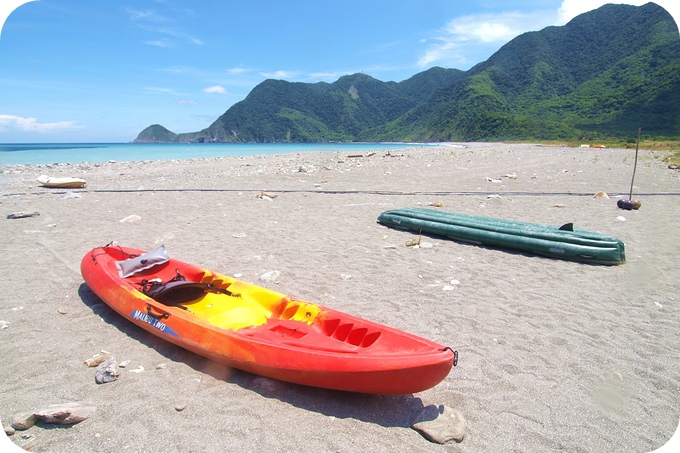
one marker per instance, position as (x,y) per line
(63,153)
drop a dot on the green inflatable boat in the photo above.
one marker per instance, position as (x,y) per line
(565,242)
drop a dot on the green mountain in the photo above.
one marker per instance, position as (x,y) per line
(155,134)
(608,72)
(280,111)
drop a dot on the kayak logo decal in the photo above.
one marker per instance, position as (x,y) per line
(153,322)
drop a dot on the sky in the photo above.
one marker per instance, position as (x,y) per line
(103,70)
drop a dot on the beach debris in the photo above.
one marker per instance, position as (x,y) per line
(440,424)
(180,407)
(425,245)
(511,176)
(346,276)
(107,371)
(4,325)
(495,181)
(124,363)
(601,195)
(389,246)
(559,205)
(139,369)
(437,204)
(494,195)
(414,242)
(161,366)
(131,219)
(61,183)
(96,359)
(621,218)
(673,167)
(266,196)
(238,235)
(271,276)
(62,310)
(66,413)
(629,204)
(23,214)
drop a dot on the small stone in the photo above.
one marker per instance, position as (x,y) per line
(440,424)
(621,218)
(4,325)
(23,420)
(66,413)
(139,369)
(62,310)
(180,408)
(124,363)
(601,195)
(107,371)
(160,366)
(9,430)
(346,276)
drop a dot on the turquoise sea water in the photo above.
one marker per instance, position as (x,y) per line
(51,153)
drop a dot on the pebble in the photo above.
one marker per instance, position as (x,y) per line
(107,371)
(124,363)
(180,408)
(139,369)
(440,424)
(62,310)
(4,325)
(23,420)
(621,218)
(9,430)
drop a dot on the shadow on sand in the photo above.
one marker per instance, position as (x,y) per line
(383,410)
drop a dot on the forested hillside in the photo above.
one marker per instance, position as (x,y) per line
(606,73)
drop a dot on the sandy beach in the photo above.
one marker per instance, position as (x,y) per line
(554,355)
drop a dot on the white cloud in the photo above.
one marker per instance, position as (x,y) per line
(457,37)
(279,75)
(238,70)
(18,123)
(215,89)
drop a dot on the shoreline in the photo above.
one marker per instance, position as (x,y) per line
(554,355)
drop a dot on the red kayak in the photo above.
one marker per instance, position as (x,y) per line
(262,331)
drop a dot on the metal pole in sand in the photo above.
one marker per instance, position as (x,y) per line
(637,145)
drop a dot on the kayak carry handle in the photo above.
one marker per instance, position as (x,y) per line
(455,355)
(165,315)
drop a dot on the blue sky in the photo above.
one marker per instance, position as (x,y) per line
(103,70)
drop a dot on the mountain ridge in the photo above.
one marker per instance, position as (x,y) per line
(605,73)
